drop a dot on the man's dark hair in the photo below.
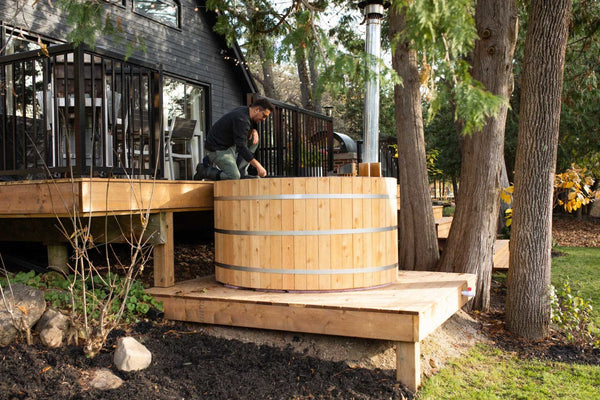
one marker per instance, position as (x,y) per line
(263,104)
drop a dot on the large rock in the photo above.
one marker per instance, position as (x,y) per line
(26,304)
(52,328)
(131,355)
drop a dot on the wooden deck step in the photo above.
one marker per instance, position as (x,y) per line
(406,311)
(438,212)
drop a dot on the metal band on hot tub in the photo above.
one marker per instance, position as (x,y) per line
(307,271)
(306,233)
(307,197)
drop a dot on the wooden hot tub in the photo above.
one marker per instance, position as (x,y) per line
(306,234)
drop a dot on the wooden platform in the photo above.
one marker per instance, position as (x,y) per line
(406,311)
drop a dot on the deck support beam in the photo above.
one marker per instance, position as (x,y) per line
(408,364)
(164,260)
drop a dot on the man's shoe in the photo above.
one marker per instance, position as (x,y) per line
(200,172)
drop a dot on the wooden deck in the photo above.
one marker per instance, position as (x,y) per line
(29,210)
(101,196)
(405,311)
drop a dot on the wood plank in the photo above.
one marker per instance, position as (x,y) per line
(164,262)
(358,238)
(336,248)
(121,195)
(443,227)
(362,324)
(364,169)
(324,241)
(300,255)
(287,242)
(99,196)
(375,169)
(312,241)
(438,212)
(367,238)
(347,240)
(275,242)
(501,254)
(264,224)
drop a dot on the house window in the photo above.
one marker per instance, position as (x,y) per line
(186,100)
(18,41)
(164,11)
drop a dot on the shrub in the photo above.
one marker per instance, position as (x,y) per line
(572,315)
(57,293)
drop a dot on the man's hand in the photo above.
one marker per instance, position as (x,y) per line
(262,172)
(254,136)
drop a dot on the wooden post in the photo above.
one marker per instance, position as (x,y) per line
(375,169)
(364,169)
(58,256)
(408,364)
(164,261)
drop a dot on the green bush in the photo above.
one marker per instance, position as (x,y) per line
(573,316)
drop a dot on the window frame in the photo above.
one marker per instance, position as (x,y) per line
(157,20)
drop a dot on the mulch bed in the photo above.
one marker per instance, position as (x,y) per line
(189,364)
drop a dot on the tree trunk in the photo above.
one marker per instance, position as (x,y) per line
(527,302)
(314,78)
(417,235)
(304,76)
(470,246)
(266,64)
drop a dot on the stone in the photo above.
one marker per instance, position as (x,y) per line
(104,379)
(27,305)
(52,328)
(131,355)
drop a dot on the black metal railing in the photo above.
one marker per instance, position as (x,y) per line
(296,142)
(78,112)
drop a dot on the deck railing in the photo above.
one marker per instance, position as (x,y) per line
(78,112)
(296,142)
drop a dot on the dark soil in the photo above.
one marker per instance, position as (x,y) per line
(188,363)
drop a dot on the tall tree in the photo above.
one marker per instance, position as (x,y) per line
(419,249)
(470,246)
(528,301)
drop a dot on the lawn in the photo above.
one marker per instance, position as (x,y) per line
(487,372)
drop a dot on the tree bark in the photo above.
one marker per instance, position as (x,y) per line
(417,235)
(267,81)
(470,246)
(304,77)
(527,303)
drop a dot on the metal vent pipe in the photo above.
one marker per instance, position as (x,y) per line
(373,11)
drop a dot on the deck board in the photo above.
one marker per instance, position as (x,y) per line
(97,196)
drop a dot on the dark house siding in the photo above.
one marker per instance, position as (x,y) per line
(191,52)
